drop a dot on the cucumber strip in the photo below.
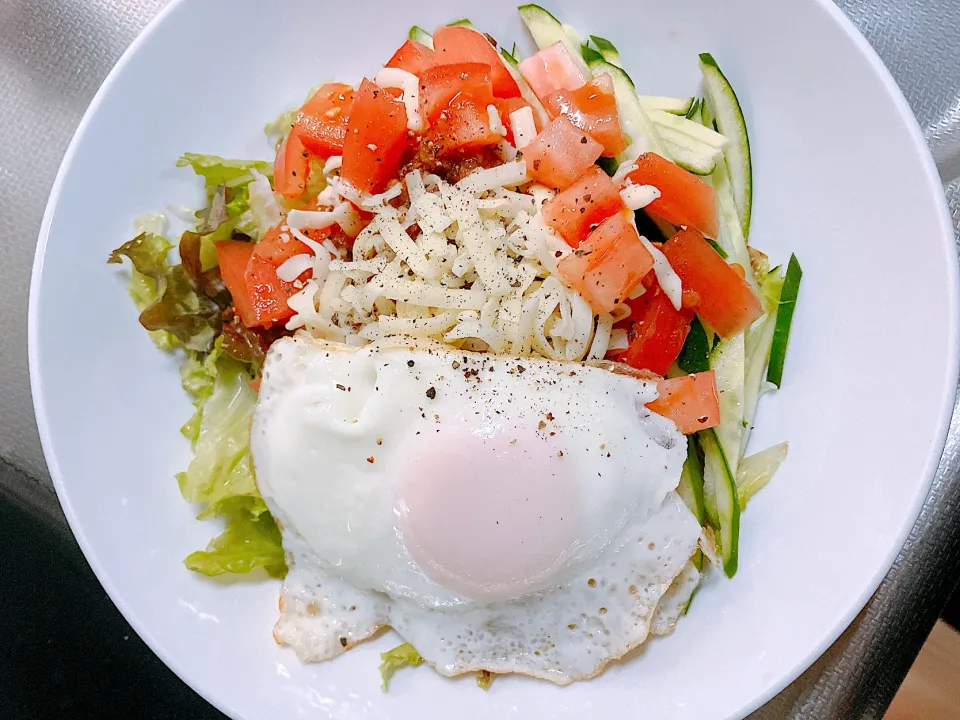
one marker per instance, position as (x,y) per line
(609,165)
(418,34)
(526,92)
(574,36)
(694,356)
(757,347)
(698,158)
(690,488)
(694,112)
(674,106)
(706,117)
(590,55)
(781,333)
(462,22)
(648,227)
(720,251)
(731,236)
(546,30)
(694,130)
(515,53)
(728,114)
(757,470)
(633,118)
(608,50)
(720,484)
(727,360)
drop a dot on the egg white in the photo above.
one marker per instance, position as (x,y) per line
(358,452)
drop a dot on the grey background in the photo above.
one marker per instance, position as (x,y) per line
(55,53)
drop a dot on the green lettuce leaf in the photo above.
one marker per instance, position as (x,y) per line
(250,540)
(228,198)
(398,657)
(217,171)
(221,467)
(484,678)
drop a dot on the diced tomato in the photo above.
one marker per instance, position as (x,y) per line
(463,127)
(553,68)
(725,300)
(259,296)
(441,85)
(276,246)
(466,45)
(656,331)
(376,139)
(684,198)
(592,107)
(608,264)
(589,201)
(322,121)
(255,384)
(690,401)
(291,167)
(413,57)
(560,154)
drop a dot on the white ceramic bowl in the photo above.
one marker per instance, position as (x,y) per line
(842,177)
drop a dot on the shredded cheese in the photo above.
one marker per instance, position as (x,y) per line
(294,267)
(496,124)
(523,126)
(410,84)
(509,174)
(333,163)
(636,197)
(472,264)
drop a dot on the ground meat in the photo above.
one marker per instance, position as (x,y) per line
(451,168)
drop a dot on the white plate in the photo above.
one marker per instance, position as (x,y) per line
(843,178)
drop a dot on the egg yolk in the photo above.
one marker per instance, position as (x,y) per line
(490,517)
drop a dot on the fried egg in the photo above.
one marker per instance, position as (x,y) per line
(500,513)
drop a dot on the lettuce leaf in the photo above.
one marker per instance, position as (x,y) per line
(484,678)
(217,171)
(171,308)
(221,476)
(250,540)
(398,657)
(221,467)
(227,184)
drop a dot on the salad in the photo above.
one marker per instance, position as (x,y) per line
(532,206)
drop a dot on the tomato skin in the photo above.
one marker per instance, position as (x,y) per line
(656,331)
(413,57)
(441,85)
(376,139)
(462,128)
(589,201)
(725,299)
(553,68)
(560,154)
(321,123)
(608,264)
(259,296)
(690,401)
(684,198)
(463,44)
(593,108)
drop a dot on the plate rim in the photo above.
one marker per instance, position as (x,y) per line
(928,472)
